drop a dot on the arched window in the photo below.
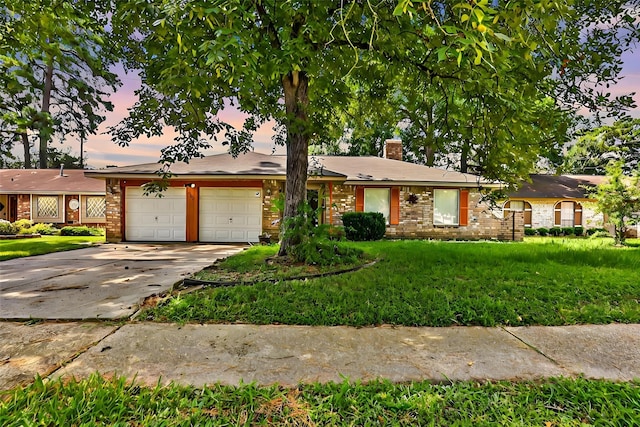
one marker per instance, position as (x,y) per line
(567,214)
(518,206)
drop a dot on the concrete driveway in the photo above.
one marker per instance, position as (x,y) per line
(99,282)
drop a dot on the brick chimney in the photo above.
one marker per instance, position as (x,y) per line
(393,149)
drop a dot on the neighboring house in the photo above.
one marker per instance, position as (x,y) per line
(224,199)
(60,197)
(557,201)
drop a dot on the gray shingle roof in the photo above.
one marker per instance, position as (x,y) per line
(557,186)
(354,170)
(48,181)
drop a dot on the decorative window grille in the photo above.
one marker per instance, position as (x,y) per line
(96,207)
(47,207)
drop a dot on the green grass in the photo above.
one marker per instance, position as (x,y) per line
(419,283)
(96,401)
(260,264)
(43,245)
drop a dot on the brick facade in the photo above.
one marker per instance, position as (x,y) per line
(24,206)
(416,214)
(542,213)
(271,217)
(416,217)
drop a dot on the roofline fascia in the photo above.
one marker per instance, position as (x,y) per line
(54,193)
(426,184)
(202,177)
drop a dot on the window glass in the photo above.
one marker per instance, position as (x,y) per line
(445,207)
(517,206)
(95,207)
(566,212)
(47,207)
(377,200)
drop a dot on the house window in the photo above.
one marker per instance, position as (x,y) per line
(377,200)
(47,207)
(518,206)
(445,206)
(567,214)
(95,207)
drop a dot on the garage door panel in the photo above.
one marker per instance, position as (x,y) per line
(151,218)
(230,214)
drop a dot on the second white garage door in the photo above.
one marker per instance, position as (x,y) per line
(156,219)
(230,214)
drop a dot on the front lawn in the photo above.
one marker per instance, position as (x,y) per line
(43,245)
(95,401)
(424,283)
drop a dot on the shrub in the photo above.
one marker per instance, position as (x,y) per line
(360,226)
(41,228)
(567,231)
(336,233)
(22,224)
(578,231)
(81,231)
(592,231)
(310,244)
(543,231)
(555,231)
(599,232)
(529,231)
(6,227)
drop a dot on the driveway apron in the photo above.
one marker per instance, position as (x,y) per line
(103,282)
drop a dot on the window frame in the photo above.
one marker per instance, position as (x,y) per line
(577,214)
(527,209)
(35,208)
(387,214)
(84,217)
(457,207)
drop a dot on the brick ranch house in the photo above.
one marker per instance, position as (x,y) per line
(224,199)
(557,201)
(52,196)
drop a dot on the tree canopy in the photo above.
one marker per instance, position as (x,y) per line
(595,149)
(304,64)
(619,199)
(54,69)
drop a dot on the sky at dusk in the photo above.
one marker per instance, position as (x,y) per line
(101,151)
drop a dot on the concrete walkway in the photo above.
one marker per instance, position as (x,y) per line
(288,355)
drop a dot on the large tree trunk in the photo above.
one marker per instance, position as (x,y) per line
(464,156)
(295,85)
(27,149)
(45,134)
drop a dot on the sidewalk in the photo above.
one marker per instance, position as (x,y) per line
(288,355)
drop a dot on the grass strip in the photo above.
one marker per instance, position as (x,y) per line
(118,402)
(423,283)
(19,248)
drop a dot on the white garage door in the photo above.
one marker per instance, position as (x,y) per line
(156,219)
(230,214)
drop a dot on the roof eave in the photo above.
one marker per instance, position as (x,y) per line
(447,184)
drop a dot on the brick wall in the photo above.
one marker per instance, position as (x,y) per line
(393,149)
(542,214)
(271,218)
(416,218)
(24,206)
(113,211)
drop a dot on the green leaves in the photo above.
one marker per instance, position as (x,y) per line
(71,39)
